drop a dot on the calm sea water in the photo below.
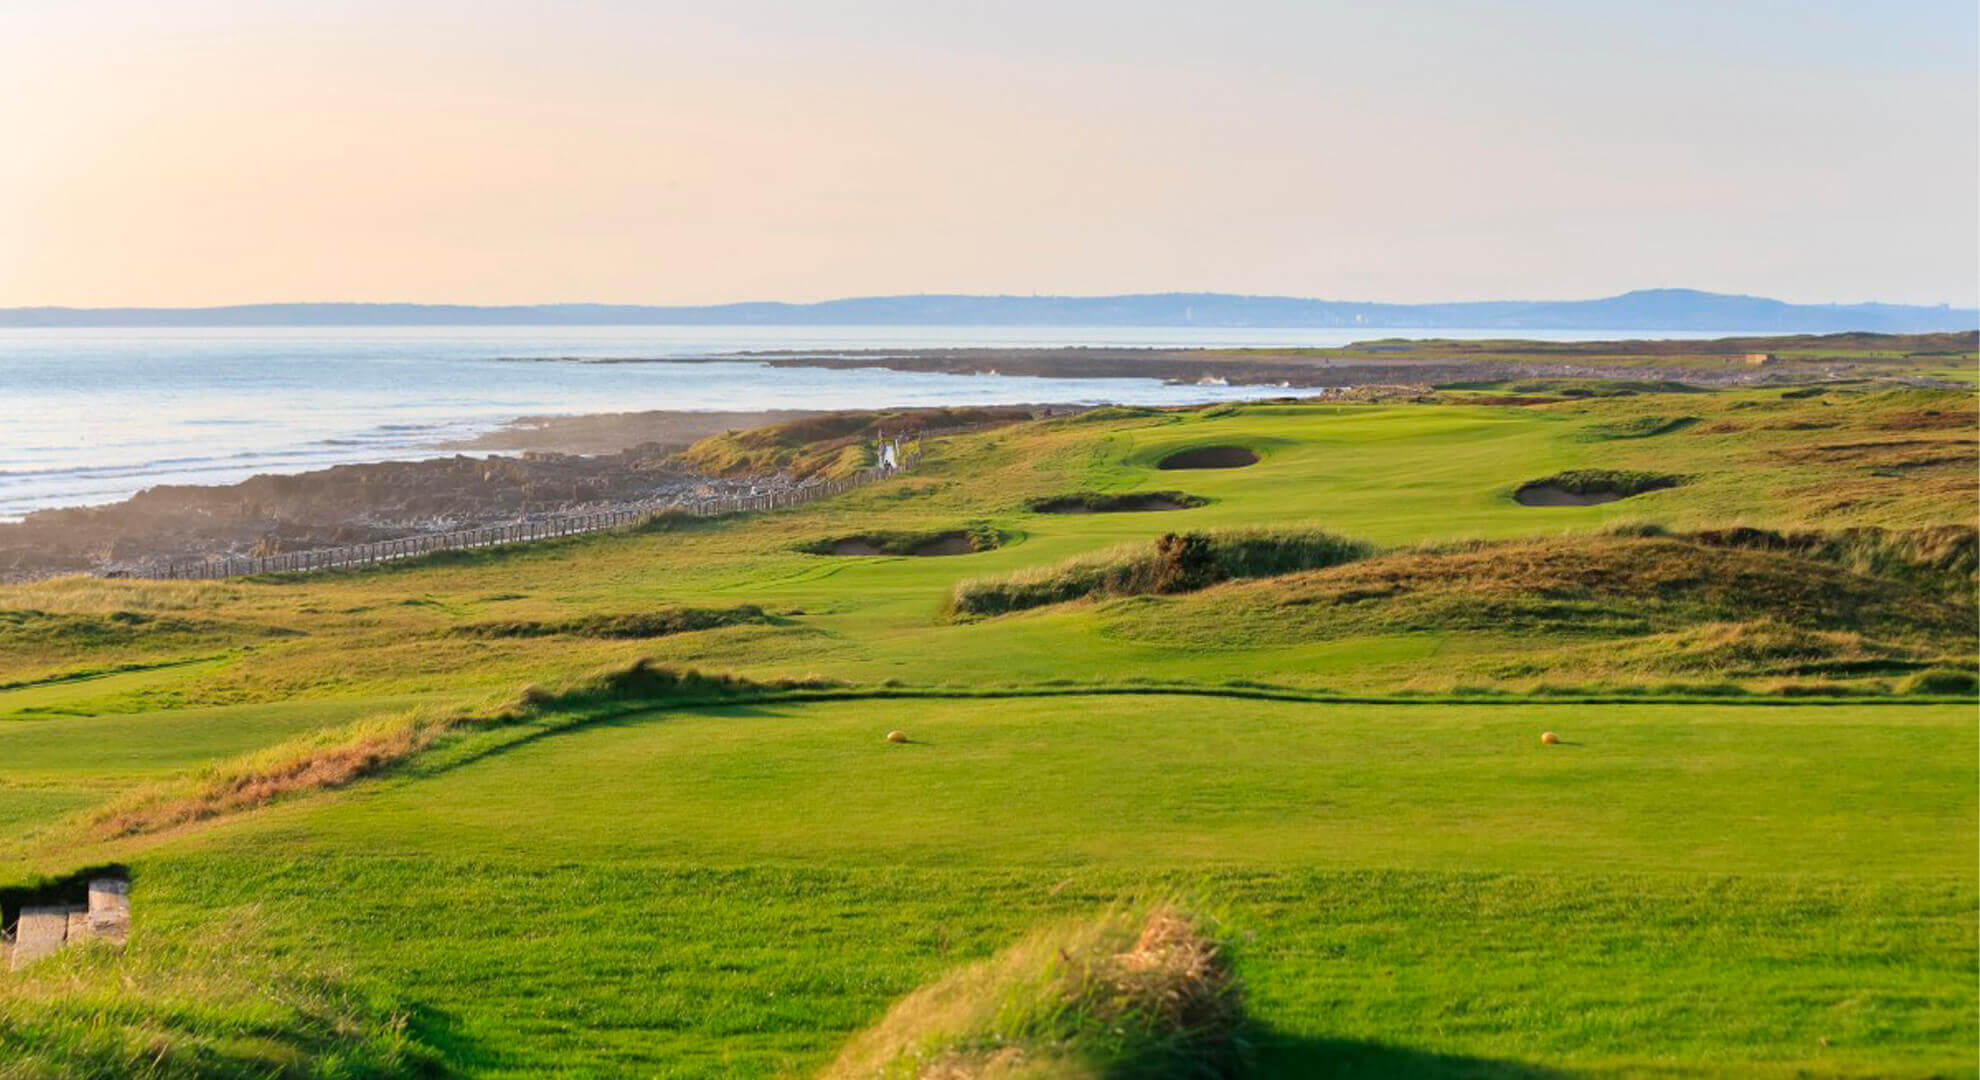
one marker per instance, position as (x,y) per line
(93,416)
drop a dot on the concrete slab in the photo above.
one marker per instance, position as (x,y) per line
(78,928)
(40,932)
(110,909)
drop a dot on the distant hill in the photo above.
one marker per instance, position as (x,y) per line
(1647,309)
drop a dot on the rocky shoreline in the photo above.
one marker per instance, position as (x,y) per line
(635,462)
(349,504)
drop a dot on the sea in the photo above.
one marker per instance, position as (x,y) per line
(92,416)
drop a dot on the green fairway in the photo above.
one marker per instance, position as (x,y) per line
(1750,853)
(744,885)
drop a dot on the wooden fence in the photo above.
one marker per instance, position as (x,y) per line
(382,551)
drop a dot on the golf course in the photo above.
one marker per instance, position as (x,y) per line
(1262,687)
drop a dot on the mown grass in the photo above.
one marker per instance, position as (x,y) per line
(334,757)
(736,890)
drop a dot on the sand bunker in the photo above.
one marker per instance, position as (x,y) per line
(952,542)
(1589,487)
(1209,457)
(1138,502)
(1549,495)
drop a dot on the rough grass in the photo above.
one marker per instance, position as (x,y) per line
(212,1009)
(1687,606)
(1145,995)
(1946,556)
(631,625)
(1177,562)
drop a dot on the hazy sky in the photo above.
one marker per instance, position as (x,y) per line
(204,152)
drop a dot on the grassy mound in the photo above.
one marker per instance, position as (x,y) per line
(1146,996)
(1638,427)
(1945,557)
(1100,502)
(907,542)
(830,445)
(1175,563)
(1686,606)
(638,624)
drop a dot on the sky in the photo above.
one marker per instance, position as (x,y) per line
(651,151)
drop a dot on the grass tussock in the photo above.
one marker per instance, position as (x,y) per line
(1127,995)
(1175,563)
(631,625)
(340,756)
(211,1009)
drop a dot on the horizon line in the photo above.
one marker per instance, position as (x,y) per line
(1946,305)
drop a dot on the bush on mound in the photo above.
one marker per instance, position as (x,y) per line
(1178,562)
(1144,996)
